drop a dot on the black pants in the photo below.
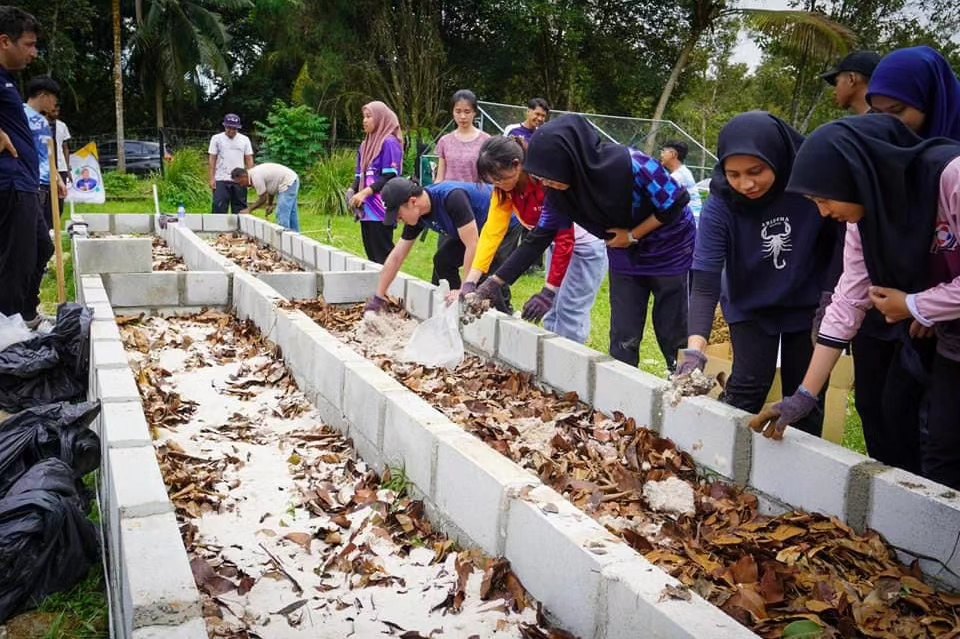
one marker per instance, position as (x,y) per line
(377,240)
(449,258)
(65,176)
(941,449)
(889,400)
(25,249)
(229,195)
(46,205)
(629,296)
(755,364)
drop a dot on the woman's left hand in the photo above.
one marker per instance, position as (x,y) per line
(891,302)
(357,200)
(620,239)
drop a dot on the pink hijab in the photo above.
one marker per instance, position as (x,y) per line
(385,125)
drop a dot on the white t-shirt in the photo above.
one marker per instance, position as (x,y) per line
(271,178)
(685,178)
(230,153)
(62,135)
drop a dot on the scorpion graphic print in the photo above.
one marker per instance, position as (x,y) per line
(775,234)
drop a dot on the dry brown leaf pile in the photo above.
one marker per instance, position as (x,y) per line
(164,259)
(720,332)
(252,255)
(766,572)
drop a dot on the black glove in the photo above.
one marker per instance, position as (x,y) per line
(539,305)
(491,291)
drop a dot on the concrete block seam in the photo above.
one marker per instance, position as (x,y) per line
(742,450)
(859,493)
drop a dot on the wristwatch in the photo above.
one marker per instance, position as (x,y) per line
(633,240)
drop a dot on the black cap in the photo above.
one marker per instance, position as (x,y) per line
(395,193)
(862,62)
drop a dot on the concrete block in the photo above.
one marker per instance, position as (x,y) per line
(104,330)
(473,486)
(108,354)
(272,234)
(559,554)
(628,390)
(518,344)
(398,287)
(372,266)
(286,244)
(364,403)
(354,263)
(97,222)
(347,287)
(633,605)
(116,385)
(206,288)
(136,487)
(919,516)
(321,360)
(419,298)
(143,289)
(113,255)
(296,247)
(128,223)
(193,629)
(153,597)
(322,254)
(715,434)
(247,225)
(338,259)
(219,223)
(480,335)
(123,425)
(568,367)
(803,471)
(292,286)
(102,311)
(410,435)
(194,222)
(256,301)
(92,290)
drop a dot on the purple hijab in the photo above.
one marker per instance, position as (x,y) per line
(920,77)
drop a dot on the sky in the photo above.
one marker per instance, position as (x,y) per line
(747,50)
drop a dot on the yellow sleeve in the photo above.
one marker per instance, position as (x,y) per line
(498,220)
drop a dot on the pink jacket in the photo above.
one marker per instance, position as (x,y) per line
(941,303)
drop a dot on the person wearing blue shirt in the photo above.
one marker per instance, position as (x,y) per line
(43,95)
(673,155)
(25,245)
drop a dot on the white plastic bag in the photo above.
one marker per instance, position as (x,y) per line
(13,330)
(437,341)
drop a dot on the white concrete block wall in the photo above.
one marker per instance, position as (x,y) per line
(338,259)
(141,498)
(410,436)
(194,629)
(473,484)
(209,288)
(143,289)
(354,263)
(247,225)
(518,344)
(322,254)
(626,389)
(480,335)
(398,287)
(293,286)
(113,255)
(286,244)
(569,367)
(256,300)
(365,392)
(347,287)
(219,223)
(124,424)
(97,222)
(116,385)
(418,299)
(132,223)
(715,434)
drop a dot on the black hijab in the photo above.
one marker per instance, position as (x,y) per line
(876,161)
(600,175)
(762,135)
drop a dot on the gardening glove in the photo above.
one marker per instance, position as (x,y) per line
(539,305)
(376,304)
(466,289)
(774,420)
(693,360)
(490,291)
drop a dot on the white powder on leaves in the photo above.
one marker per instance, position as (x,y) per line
(670,495)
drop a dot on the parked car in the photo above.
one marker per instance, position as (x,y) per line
(142,156)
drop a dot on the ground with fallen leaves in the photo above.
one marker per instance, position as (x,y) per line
(288,532)
(164,259)
(252,255)
(780,576)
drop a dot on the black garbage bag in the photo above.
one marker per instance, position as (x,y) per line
(47,545)
(60,431)
(53,367)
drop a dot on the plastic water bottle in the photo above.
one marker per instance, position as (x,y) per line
(181,213)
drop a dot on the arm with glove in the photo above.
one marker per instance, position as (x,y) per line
(540,304)
(388,273)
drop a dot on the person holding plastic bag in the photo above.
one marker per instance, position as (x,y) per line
(456,210)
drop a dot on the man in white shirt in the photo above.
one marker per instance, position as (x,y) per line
(61,134)
(229,150)
(672,155)
(272,181)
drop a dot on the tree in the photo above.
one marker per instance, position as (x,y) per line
(807,31)
(118,85)
(176,43)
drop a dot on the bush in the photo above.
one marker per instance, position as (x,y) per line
(327,180)
(125,186)
(185,180)
(293,136)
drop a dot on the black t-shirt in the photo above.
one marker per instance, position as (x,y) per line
(456,207)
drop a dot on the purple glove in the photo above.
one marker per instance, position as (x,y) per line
(376,304)
(692,360)
(493,291)
(538,305)
(774,420)
(467,288)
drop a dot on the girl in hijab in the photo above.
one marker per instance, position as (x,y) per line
(918,86)
(766,251)
(900,197)
(379,159)
(619,194)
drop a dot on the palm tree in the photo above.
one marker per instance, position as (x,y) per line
(810,32)
(178,40)
(118,84)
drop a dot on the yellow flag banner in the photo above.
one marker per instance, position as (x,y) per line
(86,180)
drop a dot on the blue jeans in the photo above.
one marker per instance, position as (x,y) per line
(287,216)
(570,315)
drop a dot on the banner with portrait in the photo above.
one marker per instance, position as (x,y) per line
(86,180)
